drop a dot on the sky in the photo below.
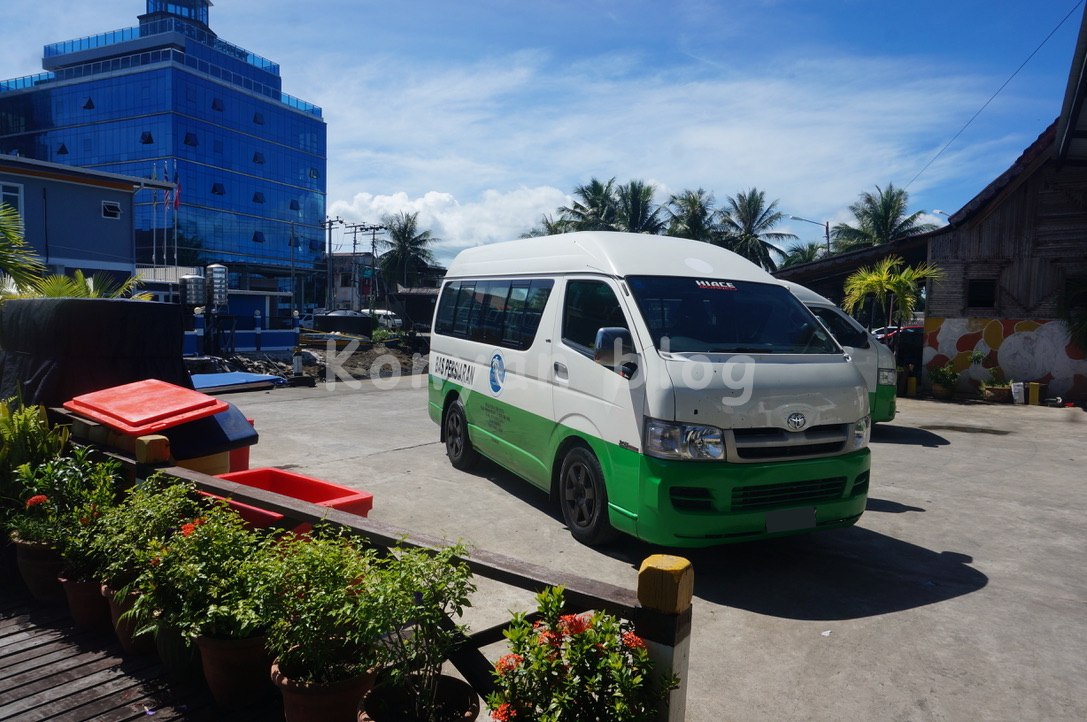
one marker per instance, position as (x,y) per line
(483,115)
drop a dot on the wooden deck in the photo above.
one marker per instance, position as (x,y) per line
(51,670)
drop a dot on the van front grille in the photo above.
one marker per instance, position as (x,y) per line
(769,444)
(797,493)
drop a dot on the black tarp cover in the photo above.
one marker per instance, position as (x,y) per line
(54,349)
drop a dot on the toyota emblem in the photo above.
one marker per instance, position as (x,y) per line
(796,421)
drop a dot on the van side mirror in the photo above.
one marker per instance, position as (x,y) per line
(614,348)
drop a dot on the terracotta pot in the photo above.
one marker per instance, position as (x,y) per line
(334,702)
(180,658)
(39,566)
(939,391)
(455,700)
(124,626)
(89,609)
(236,670)
(999,394)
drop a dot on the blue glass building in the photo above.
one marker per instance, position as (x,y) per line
(168,99)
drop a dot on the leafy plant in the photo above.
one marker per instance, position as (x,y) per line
(66,497)
(330,607)
(996,380)
(18,260)
(944,375)
(588,667)
(26,439)
(129,534)
(423,590)
(210,577)
(380,335)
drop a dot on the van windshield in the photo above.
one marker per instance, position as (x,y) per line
(709,315)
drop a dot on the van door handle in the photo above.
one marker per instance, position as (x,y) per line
(560,370)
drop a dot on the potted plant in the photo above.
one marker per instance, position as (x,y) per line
(207,584)
(588,667)
(944,379)
(997,389)
(65,496)
(425,589)
(329,614)
(124,541)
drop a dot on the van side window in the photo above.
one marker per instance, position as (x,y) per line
(590,305)
(500,312)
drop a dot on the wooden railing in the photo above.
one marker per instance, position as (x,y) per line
(660,608)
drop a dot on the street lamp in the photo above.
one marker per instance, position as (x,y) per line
(329,297)
(824,224)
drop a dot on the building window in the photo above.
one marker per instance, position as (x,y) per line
(315,245)
(12,195)
(146,138)
(62,150)
(111,210)
(258,236)
(294,204)
(218,189)
(345,280)
(217,146)
(258,158)
(313,173)
(258,197)
(217,104)
(190,139)
(88,105)
(981,293)
(258,118)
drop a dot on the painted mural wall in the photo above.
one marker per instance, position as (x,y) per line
(1024,350)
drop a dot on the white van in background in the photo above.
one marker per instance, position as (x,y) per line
(661,387)
(875,361)
(385,319)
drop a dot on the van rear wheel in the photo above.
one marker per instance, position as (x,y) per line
(458,447)
(583,498)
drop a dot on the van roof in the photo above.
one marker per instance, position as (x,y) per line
(608,253)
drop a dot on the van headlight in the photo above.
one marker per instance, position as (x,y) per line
(862,432)
(668,440)
(887,377)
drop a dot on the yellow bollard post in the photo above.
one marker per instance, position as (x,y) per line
(1034,393)
(911,386)
(666,587)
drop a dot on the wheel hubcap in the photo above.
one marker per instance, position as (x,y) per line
(579,495)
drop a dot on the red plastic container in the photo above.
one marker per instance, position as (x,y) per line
(297,486)
(144,407)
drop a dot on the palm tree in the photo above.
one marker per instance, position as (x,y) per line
(746,222)
(408,252)
(594,207)
(881,218)
(803,253)
(18,261)
(548,226)
(691,214)
(635,210)
(97,285)
(889,283)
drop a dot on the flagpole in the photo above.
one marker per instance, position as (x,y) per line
(177,205)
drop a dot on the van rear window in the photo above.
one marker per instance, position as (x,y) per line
(499,312)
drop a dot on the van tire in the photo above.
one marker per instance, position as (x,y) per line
(458,447)
(583,498)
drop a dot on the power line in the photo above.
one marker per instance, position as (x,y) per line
(993,96)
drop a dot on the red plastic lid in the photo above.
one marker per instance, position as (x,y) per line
(145,407)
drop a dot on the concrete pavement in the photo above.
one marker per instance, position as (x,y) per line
(961,593)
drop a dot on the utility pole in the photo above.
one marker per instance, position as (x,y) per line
(373,264)
(356,299)
(329,294)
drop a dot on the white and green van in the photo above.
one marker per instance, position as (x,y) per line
(875,361)
(660,387)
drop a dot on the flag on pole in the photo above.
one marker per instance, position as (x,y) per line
(177,190)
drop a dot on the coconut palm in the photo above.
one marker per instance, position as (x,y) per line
(881,217)
(78,285)
(594,207)
(891,285)
(803,253)
(635,210)
(691,214)
(18,261)
(548,226)
(408,249)
(746,222)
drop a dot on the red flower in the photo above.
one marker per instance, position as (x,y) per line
(633,641)
(198,521)
(572,624)
(504,713)
(36,499)
(549,637)
(508,662)
(187,529)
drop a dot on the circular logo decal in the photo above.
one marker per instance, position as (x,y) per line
(796,421)
(498,373)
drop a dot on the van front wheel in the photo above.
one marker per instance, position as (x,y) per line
(583,498)
(458,447)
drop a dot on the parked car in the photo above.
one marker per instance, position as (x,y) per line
(883,331)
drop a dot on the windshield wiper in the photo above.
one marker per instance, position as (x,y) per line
(743,349)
